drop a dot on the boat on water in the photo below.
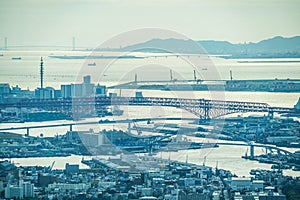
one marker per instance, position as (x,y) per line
(112,111)
(16,58)
(92,64)
(281,166)
(267,160)
(185,145)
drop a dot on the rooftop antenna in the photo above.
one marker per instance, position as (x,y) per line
(195,76)
(41,72)
(171,75)
(230,75)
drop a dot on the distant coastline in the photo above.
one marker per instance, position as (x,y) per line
(276,47)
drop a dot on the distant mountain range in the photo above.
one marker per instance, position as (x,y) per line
(269,48)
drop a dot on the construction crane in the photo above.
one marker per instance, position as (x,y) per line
(134,126)
(52,166)
(139,132)
(49,169)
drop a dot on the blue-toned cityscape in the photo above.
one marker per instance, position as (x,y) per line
(206,106)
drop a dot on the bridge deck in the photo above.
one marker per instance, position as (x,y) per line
(203,108)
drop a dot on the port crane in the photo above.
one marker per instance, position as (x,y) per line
(49,169)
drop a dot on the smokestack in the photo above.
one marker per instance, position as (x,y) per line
(195,76)
(230,75)
(41,72)
(171,75)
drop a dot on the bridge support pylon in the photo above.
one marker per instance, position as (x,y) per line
(27,132)
(251,151)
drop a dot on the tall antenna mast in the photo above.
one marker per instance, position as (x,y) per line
(41,72)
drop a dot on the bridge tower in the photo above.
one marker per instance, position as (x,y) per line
(206,113)
(251,151)
(27,132)
(73,49)
(5,43)
(135,78)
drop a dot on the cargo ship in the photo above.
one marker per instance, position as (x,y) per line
(16,58)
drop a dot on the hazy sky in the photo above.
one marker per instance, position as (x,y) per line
(55,22)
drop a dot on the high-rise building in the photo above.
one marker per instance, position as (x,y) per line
(57,94)
(85,89)
(88,89)
(100,90)
(4,88)
(66,91)
(45,179)
(90,139)
(72,168)
(12,191)
(76,90)
(87,79)
(44,93)
(28,189)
